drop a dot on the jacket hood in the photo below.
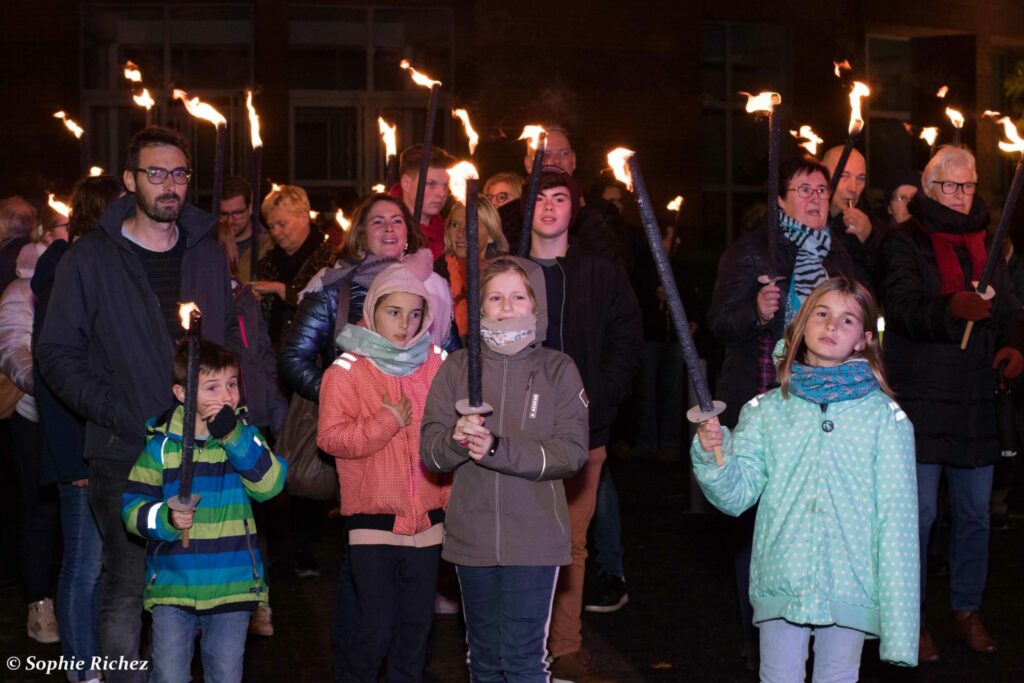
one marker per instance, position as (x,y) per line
(193,221)
(25,265)
(535,273)
(398,277)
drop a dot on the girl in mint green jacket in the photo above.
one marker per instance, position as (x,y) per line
(831,456)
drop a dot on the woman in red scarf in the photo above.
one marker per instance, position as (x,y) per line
(451,265)
(925,273)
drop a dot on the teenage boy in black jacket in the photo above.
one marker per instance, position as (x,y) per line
(593,316)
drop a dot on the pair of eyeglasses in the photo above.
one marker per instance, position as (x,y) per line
(805,191)
(157,175)
(949,187)
(498,197)
(903,198)
(237,213)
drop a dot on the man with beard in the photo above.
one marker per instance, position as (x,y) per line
(107,345)
(236,213)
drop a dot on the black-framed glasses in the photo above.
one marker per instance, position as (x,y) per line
(157,175)
(237,213)
(950,187)
(805,191)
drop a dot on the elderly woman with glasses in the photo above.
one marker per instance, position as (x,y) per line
(748,316)
(927,267)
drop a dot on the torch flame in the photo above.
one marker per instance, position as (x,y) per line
(379,188)
(929,134)
(143,99)
(132,73)
(907,126)
(676,204)
(274,187)
(858,91)
(463,116)
(185,313)
(809,137)
(339,216)
(57,205)
(943,91)
(388,133)
(955,117)
(532,133)
(458,175)
(95,171)
(254,121)
(313,215)
(200,109)
(1015,143)
(417,77)
(842,66)
(617,160)
(991,114)
(76,129)
(762,101)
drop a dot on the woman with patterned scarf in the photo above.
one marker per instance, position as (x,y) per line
(748,318)
(925,273)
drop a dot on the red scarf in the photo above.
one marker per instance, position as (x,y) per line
(951,275)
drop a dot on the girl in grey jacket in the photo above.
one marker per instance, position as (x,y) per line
(507,527)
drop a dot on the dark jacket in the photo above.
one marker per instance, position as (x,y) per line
(278,312)
(862,254)
(63,430)
(104,348)
(263,397)
(510,508)
(732,317)
(948,393)
(601,331)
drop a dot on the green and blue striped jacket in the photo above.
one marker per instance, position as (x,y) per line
(221,570)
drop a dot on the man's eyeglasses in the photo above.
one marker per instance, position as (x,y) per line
(501,197)
(949,187)
(157,175)
(805,191)
(237,213)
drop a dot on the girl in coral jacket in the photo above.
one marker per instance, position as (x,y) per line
(371,408)
(831,456)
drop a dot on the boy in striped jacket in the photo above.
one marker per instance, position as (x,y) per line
(215,583)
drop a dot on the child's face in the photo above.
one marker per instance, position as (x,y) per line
(398,317)
(216,390)
(506,296)
(835,330)
(553,212)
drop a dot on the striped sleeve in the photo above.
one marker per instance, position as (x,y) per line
(143,509)
(262,472)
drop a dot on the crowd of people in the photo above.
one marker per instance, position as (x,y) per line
(333,367)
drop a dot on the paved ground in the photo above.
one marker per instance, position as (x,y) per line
(680,623)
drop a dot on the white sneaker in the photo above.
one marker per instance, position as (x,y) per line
(443,605)
(42,622)
(261,622)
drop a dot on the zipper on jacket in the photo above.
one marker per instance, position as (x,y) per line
(526,401)
(156,550)
(497,475)
(252,557)
(561,314)
(554,506)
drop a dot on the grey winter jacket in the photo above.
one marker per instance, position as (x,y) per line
(509,508)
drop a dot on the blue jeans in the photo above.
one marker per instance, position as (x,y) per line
(39,522)
(969,493)
(78,591)
(507,612)
(660,396)
(784,648)
(222,645)
(606,526)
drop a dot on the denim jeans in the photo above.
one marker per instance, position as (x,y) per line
(39,518)
(969,493)
(78,592)
(507,611)
(124,569)
(660,394)
(606,526)
(395,590)
(784,648)
(222,644)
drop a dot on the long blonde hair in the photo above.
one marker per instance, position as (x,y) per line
(796,348)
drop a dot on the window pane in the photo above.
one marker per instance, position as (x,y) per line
(890,68)
(713,147)
(892,150)
(328,48)
(424,36)
(326,143)
(749,148)
(713,212)
(104,28)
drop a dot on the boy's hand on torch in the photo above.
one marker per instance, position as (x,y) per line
(402,408)
(182,520)
(768,298)
(857,223)
(709,433)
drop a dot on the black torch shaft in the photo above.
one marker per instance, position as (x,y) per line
(833,182)
(476,395)
(531,196)
(254,209)
(188,435)
(428,141)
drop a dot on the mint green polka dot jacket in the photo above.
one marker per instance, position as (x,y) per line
(835,541)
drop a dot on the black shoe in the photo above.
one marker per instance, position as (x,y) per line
(608,594)
(305,564)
